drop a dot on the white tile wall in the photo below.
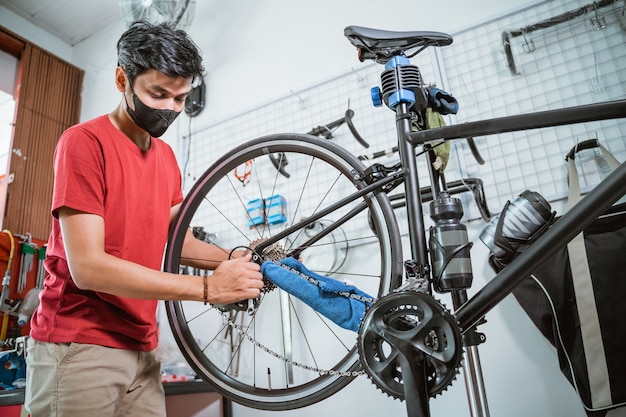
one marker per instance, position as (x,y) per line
(572,64)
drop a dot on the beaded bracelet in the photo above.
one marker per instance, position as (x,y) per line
(206,290)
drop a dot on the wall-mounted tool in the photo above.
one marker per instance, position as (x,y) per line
(41,271)
(597,21)
(6,279)
(29,249)
(244,177)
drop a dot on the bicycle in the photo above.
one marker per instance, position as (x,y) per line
(276,353)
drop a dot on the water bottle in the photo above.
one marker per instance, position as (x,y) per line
(449,245)
(28,306)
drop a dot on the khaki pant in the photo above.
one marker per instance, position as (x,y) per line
(79,380)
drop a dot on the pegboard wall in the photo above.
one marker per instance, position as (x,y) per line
(578,61)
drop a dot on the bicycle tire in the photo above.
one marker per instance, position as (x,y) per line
(235,366)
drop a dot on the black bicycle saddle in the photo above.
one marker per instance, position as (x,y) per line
(381,45)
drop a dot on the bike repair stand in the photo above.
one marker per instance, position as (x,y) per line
(430,350)
(425,350)
(452,273)
(472,371)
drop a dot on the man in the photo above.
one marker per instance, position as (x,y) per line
(117,189)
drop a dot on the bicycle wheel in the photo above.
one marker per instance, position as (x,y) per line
(285,355)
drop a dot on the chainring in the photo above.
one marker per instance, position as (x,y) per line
(417,327)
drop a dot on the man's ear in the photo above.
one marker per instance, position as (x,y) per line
(120,79)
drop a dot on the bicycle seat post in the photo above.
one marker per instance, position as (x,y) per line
(419,249)
(403,90)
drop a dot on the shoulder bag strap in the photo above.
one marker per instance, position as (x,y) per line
(593,345)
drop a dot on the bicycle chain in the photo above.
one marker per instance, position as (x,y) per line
(275,253)
(261,346)
(277,355)
(316,282)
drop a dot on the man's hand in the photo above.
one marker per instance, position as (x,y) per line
(235,280)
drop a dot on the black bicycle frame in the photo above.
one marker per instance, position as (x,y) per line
(603,196)
(565,229)
(572,223)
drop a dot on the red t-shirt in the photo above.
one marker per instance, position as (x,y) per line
(99,170)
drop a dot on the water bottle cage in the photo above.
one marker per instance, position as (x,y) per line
(505,243)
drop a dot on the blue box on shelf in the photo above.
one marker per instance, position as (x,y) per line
(256,212)
(275,209)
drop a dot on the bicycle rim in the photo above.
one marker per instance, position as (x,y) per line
(277,358)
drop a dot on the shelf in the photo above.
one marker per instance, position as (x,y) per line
(187,387)
(12,397)
(16,396)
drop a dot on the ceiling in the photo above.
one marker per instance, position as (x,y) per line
(72,21)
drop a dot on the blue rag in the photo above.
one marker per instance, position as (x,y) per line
(325,297)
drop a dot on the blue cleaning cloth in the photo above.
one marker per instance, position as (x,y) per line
(442,101)
(324,298)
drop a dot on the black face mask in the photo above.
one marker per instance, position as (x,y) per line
(153,121)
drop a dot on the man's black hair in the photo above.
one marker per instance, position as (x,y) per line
(146,46)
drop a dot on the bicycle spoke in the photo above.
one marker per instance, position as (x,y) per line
(302,188)
(285,354)
(243,206)
(301,328)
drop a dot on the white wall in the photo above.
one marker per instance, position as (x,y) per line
(257,51)
(32,33)
(266,49)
